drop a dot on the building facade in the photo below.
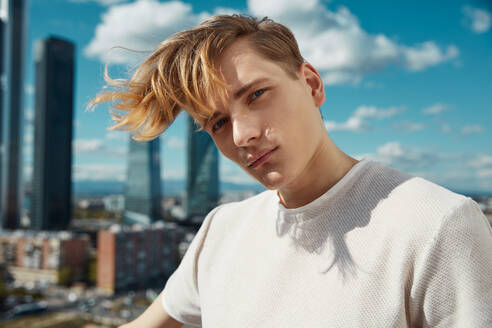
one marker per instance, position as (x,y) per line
(16,36)
(42,257)
(202,178)
(143,185)
(3,27)
(52,173)
(134,257)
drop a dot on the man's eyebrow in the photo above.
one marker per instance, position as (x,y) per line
(248,86)
(213,117)
(237,95)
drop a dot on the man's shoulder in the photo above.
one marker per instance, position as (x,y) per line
(408,199)
(410,189)
(420,191)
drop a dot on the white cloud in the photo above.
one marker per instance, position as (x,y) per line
(435,109)
(29,89)
(478,20)
(176,173)
(28,138)
(101,2)
(139,26)
(174,142)
(373,112)
(87,145)
(409,158)
(359,121)
(373,85)
(425,55)
(485,173)
(408,126)
(99,172)
(97,147)
(474,128)
(481,161)
(333,41)
(459,171)
(391,149)
(117,135)
(27,172)
(29,115)
(445,128)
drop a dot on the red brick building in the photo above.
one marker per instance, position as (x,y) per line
(128,257)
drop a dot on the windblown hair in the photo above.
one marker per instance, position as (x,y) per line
(182,73)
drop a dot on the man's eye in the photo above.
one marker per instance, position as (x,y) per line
(219,124)
(257,93)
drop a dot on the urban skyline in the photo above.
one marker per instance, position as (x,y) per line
(414,98)
(398,91)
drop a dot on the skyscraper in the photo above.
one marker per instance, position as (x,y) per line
(202,183)
(52,184)
(3,27)
(15,39)
(143,186)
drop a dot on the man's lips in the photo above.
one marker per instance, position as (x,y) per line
(260,157)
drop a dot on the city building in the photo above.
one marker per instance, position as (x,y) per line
(202,178)
(114,203)
(12,167)
(3,27)
(44,257)
(143,184)
(52,184)
(129,257)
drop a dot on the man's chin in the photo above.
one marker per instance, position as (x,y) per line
(271,180)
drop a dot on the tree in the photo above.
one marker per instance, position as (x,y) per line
(65,276)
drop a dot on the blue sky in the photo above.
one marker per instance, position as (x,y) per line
(409,85)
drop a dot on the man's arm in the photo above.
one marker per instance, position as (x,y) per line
(155,316)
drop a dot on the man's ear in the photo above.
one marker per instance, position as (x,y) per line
(314,82)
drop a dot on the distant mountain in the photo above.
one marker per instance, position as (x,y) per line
(169,187)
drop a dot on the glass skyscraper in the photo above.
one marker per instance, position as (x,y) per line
(202,184)
(3,28)
(11,182)
(143,186)
(52,186)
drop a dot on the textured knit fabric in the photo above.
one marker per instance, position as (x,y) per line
(379,249)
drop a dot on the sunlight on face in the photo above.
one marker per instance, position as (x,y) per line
(270,126)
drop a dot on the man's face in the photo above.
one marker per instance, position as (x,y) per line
(270,125)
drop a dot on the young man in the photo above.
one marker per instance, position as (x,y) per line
(334,242)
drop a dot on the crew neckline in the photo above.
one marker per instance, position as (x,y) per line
(314,208)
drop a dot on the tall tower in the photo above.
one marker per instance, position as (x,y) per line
(202,183)
(3,80)
(143,185)
(52,183)
(15,40)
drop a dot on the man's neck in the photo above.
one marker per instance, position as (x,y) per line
(323,171)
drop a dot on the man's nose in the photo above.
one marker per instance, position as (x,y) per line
(245,130)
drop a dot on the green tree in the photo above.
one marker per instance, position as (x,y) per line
(65,276)
(92,270)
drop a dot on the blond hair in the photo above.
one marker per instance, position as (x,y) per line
(182,73)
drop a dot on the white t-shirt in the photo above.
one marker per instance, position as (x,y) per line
(379,249)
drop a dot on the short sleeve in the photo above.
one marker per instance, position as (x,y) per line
(452,284)
(181,298)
